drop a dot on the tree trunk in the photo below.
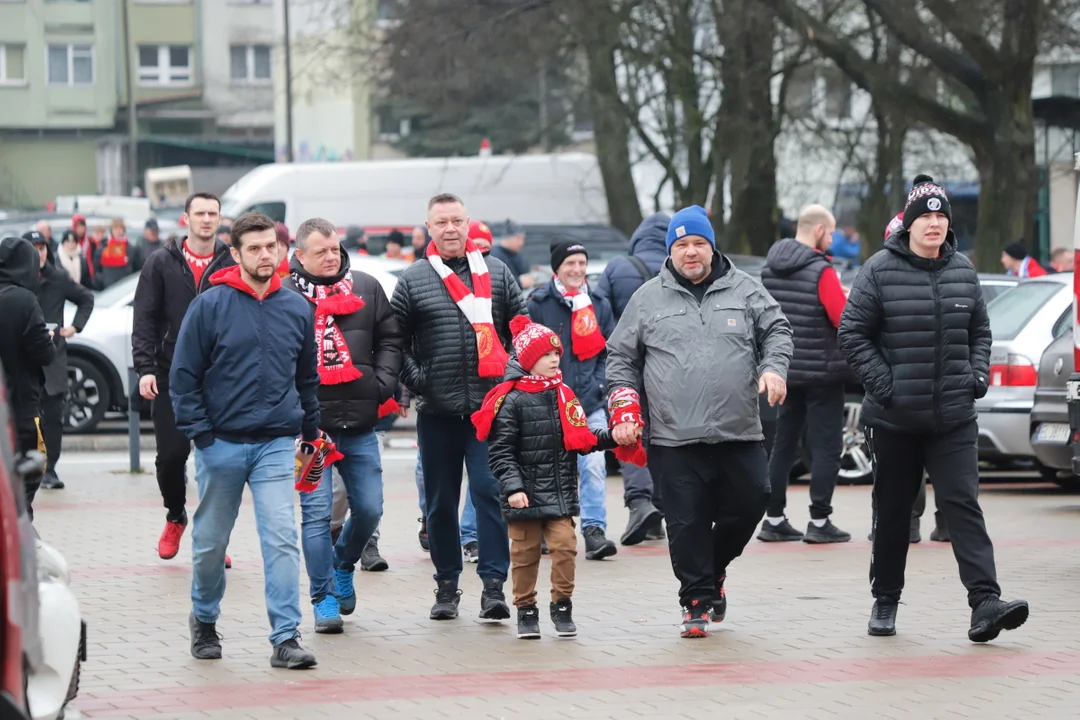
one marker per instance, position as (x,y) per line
(746,29)
(885,193)
(1007,199)
(611,131)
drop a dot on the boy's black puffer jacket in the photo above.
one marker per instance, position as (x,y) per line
(527,455)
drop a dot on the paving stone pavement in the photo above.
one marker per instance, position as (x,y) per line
(794,643)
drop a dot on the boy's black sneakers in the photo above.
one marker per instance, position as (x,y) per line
(291,656)
(719,604)
(783,532)
(695,622)
(994,615)
(493,602)
(827,533)
(562,618)
(528,622)
(447,597)
(205,641)
(597,547)
(882,618)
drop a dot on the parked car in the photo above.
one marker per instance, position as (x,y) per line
(1051,437)
(99,356)
(1024,320)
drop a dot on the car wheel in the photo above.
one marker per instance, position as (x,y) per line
(88,396)
(856,467)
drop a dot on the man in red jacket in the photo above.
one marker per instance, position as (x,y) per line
(1017,261)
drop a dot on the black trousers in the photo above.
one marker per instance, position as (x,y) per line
(53,409)
(173,449)
(818,410)
(952,460)
(714,498)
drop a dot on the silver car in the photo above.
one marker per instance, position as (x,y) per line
(1051,436)
(1023,321)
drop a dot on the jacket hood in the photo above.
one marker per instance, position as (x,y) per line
(788,256)
(650,237)
(345,269)
(19,263)
(899,243)
(232,277)
(514,370)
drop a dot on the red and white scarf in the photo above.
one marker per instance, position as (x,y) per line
(586,340)
(475,305)
(575,428)
(335,361)
(624,405)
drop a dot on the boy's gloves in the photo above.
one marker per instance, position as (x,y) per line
(325,454)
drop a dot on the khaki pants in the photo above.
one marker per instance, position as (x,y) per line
(525,537)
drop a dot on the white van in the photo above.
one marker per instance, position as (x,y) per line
(559,188)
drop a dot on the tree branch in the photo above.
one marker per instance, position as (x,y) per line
(961,28)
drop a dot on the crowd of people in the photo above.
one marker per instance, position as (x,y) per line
(273,366)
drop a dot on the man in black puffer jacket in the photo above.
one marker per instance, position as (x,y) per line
(454,308)
(360,349)
(916,332)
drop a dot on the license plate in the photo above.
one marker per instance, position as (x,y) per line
(1072,390)
(1053,433)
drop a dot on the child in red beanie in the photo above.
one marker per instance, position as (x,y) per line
(537,427)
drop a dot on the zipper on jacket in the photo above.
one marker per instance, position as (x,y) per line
(553,403)
(937,347)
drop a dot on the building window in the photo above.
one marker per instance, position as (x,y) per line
(12,64)
(249,64)
(164,65)
(70,64)
(1065,80)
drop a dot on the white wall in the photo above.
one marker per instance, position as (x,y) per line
(223,23)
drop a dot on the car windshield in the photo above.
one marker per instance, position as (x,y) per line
(1013,309)
(116,293)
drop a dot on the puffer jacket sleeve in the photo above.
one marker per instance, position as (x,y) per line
(389,344)
(772,331)
(625,349)
(401,304)
(858,334)
(503,449)
(980,338)
(515,305)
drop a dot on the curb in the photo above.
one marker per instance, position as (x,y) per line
(119,443)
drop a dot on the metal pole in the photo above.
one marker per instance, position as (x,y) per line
(133,141)
(288,87)
(133,419)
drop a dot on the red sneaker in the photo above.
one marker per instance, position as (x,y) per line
(169,542)
(228,562)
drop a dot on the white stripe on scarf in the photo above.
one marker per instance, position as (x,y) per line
(476,310)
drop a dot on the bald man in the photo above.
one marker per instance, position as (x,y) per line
(802,279)
(45,229)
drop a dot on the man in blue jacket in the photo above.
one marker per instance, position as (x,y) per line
(244,384)
(583,322)
(621,279)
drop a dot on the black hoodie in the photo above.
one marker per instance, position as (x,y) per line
(55,287)
(25,344)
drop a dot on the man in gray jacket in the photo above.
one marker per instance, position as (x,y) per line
(701,341)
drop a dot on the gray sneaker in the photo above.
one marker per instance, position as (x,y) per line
(291,656)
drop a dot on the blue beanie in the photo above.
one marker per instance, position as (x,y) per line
(690,221)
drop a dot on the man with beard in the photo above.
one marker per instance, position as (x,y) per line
(55,287)
(359,356)
(170,280)
(244,384)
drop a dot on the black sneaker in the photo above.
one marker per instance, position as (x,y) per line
(719,604)
(447,598)
(51,482)
(422,534)
(205,641)
(470,551)
(643,515)
(994,615)
(528,622)
(562,618)
(291,656)
(914,536)
(695,622)
(827,533)
(940,533)
(370,559)
(493,602)
(597,547)
(783,532)
(882,618)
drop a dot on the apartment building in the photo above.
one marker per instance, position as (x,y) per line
(202,86)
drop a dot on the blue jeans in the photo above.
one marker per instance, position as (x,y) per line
(361,471)
(315,513)
(468,513)
(448,442)
(221,472)
(592,479)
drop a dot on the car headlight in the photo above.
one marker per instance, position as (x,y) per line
(52,566)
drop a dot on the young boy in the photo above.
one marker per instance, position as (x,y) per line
(537,428)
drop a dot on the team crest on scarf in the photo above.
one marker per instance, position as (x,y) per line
(585,321)
(575,414)
(484,339)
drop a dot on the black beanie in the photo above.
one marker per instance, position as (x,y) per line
(925,197)
(562,249)
(1016,250)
